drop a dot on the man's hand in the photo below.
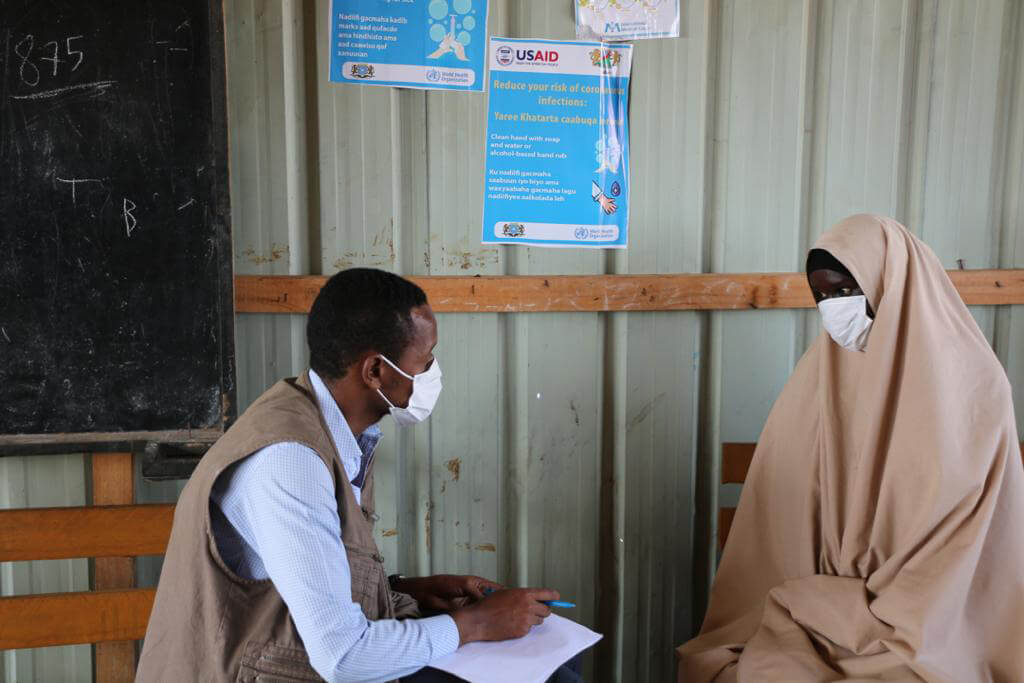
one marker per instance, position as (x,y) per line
(503,615)
(445,592)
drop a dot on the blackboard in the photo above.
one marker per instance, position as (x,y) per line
(116,315)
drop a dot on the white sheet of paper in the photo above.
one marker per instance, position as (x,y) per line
(530,659)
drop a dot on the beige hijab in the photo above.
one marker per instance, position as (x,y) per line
(880,533)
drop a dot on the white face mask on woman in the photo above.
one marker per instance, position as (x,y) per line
(426,388)
(846,320)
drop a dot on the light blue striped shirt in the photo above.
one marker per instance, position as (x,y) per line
(275,516)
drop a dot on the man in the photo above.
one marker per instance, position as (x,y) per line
(272,571)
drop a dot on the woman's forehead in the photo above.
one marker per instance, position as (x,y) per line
(824,277)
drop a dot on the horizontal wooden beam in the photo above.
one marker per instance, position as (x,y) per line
(725,517)
(736,458)
(94,531)
(73,618)
(605,293)
(38,444)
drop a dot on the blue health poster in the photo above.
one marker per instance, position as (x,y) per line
(435,44)
(557,171)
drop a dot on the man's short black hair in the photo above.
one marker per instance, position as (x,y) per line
(359,310)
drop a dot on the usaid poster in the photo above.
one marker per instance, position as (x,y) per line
(435,44)
(557,169)
(626,19)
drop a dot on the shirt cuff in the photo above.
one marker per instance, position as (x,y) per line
(442,633)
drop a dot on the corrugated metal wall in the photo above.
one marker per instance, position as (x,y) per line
(580,450)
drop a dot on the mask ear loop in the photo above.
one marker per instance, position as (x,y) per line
(400,372)
(386,399)
(397,369)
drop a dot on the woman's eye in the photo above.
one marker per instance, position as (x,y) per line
(845,291)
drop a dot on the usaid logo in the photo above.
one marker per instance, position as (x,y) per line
(543,56)
(505,55)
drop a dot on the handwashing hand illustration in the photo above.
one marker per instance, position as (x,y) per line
(598,195)
(450,44)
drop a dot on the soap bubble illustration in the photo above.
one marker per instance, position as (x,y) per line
(438,9)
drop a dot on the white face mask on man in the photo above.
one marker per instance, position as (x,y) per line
(846,320)
(426,388)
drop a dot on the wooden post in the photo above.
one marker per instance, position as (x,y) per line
(113,483)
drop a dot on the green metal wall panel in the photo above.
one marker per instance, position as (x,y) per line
(581,450)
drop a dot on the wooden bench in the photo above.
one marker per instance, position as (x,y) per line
(736,459)
(115,614)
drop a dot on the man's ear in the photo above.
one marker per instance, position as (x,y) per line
(369,370)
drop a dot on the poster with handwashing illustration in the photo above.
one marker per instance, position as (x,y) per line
(427,44)
(626,19)
(557,149)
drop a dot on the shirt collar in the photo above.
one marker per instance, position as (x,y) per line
(351,450)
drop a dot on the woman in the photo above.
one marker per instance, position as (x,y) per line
(880,533)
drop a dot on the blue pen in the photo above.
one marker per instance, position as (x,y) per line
(549,603)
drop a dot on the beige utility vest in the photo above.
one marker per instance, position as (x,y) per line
(208,623)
